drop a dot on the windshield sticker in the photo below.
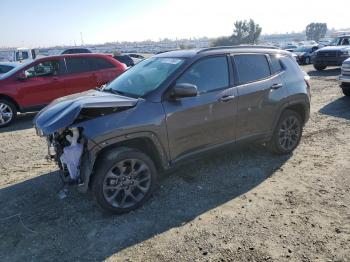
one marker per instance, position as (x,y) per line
(172,61)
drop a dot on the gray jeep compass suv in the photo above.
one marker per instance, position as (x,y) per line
(169,108)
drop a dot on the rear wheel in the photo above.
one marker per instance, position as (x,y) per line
(287,134)
(319,67)
(124,180)
(8,112)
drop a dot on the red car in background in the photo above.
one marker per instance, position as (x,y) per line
(31,86)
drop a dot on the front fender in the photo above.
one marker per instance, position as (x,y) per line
(89,157)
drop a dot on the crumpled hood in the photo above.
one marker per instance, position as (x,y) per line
(63,111)
(334,48)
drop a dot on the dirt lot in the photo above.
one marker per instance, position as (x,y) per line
(245,205)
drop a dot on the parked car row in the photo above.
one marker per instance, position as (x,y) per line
(33,85)
(170,108)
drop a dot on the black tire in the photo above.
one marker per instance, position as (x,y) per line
(320,67)
(286,138)
(115,178)
(7,108)
(307,60)
(346,90)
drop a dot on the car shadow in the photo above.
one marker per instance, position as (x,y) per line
(35,220)
(334,71)
(338,108)
(22,122)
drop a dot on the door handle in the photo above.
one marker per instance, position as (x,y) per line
(55,78)
(226,98)
(276,86)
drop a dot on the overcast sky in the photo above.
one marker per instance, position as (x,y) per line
(48,23)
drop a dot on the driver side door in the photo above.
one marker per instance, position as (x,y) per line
(42,84)
(208,119)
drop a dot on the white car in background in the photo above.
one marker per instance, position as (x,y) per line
(344,78)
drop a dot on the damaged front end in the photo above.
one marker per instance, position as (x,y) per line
(66,149)
(62,124)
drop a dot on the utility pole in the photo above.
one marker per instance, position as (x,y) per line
(81,36)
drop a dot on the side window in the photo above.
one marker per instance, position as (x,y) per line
(44,69)
(276,65)
(4,69)
(207,74)
(251,67)
(78,65)
(99,63)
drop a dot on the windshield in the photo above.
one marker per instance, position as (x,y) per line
(145,77)
(303,49)
(335,41)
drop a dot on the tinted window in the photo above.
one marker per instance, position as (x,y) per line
(207,74)
(251,67)
(276,64)
(76,51)
(5,68)
(44,69)
(125,59)
(78,65)
(100,63)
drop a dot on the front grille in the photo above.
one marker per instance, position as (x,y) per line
(328,53)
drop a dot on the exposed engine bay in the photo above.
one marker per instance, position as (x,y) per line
(66,147)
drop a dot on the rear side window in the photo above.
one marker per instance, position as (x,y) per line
(100,63)
(208,74)
(251,67)
(78,65)
(276,65)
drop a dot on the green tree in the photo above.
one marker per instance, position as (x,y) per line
(244,32)
(222,41)
(316,31)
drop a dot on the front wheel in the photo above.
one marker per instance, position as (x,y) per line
(8,112)
(320,67)
(287,134)
(124,180)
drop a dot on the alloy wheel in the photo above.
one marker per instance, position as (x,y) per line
(6,114)
(289,133)
(127,183)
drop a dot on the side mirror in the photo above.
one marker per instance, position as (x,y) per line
(22,76)
(184,90)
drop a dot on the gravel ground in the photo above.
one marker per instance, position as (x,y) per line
(242,205)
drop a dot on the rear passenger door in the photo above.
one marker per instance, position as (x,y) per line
(260,90)
(79,76)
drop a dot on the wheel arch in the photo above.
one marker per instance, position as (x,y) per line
(13,101)
(145,142)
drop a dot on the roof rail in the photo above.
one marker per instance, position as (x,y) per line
(236,47)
